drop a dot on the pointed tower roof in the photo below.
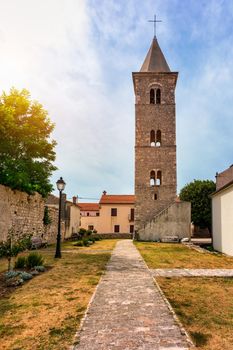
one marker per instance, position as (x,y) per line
(155,60)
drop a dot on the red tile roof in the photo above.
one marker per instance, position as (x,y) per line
(117,199)
(88,206)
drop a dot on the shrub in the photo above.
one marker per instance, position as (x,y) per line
(34,259)
(25,276)
(92,239)
(39,268)
(11,274)
(82,232)
(79,244)
(46,219)
(86,242)
(20,262)
(97,238)
(88,232)
(95,231)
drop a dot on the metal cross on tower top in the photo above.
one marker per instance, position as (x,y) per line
(154,21)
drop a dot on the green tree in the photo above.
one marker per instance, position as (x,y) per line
(198,193)
(26,150)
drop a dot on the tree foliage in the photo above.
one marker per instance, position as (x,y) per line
(26,151)
(198,193)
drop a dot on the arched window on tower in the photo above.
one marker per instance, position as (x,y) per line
(159,178)
(152,178)
(152,96)
(158,138)
(158,96)
(152,138)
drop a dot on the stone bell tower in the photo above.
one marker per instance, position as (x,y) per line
(155,144)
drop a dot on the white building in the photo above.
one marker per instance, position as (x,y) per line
(222,216)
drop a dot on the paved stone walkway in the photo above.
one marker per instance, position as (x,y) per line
(192,272)
(128,311)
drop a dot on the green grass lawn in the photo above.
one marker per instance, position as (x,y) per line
(173,255)
(205,308)
(203,305)
(45,312)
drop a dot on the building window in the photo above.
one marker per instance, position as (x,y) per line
(152,96)
(113,211)
(116,228)
(158,138)
(131,228)
(152,178)
(155,197)
(88,214)
(97,214)
(158,96)
(131,215)
(152,138)
(159,178)
(91,227)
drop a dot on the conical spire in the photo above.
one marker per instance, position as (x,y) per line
(155,60)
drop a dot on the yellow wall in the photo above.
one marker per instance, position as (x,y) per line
(74,221)
(104,223)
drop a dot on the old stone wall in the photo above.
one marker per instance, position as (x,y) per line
(24,214)
(51,230)
(173,221)
(21,212)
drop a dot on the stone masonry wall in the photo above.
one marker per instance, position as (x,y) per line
(148,158)
(20,211)
(175,220)
(24,214)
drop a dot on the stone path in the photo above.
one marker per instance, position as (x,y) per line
(192,272)
(128,311)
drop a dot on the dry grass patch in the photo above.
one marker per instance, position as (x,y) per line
(174,255)
(45,313)
(205,307)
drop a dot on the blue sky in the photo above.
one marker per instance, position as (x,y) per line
(76,57)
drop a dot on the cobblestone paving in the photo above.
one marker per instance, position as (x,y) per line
(128,311)
(192,272)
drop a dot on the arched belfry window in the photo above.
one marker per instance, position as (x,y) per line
(152,96)
(159,178)
(158,96)
(158,138)
(152,138)
(152,178)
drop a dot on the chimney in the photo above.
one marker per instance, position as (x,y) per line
(74,200)
(104,193)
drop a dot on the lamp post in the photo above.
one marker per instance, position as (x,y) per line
(60,186)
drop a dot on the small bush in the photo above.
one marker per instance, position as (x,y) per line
(79,244)
(82,232)
(25,276)
(86,242)
(11,274)
(97,238)
(88,232)
(34,259)
(20,262)
(94,231)
(92,239)
(39,268)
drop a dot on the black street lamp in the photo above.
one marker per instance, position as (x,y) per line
(60,186)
